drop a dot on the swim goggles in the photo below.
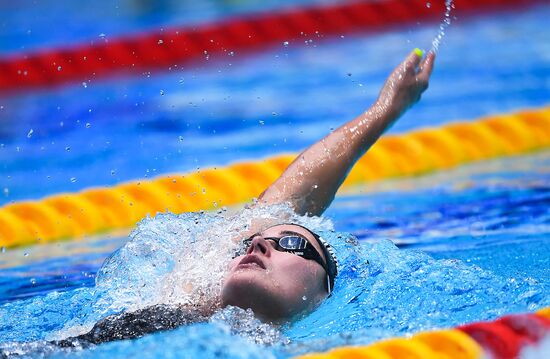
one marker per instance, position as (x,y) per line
(299,245)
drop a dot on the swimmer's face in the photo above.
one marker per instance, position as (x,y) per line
(275,284)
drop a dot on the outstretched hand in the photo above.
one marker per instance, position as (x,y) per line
(406,83)
(310,182)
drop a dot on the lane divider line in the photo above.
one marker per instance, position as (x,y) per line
(503,338)
(93,211)
(179,46)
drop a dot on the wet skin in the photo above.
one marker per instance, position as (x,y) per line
(276,285)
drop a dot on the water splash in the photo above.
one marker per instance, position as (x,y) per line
(177,260)
(379,286)
(242,322)
(443,25)
(406,291)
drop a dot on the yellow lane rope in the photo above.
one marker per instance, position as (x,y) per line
(447,343)
(450,343)
(97,210)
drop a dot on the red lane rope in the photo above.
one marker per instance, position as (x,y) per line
(180,46)
(504,338)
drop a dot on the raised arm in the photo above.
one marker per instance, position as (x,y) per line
(310,182)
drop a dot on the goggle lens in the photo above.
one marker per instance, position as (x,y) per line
(292,243)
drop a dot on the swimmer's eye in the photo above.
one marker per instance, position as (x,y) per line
(247,242)
(242,248)
(274,243)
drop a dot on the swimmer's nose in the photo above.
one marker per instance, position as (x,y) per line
(259,245)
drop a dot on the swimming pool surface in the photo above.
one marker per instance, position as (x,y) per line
(473,242)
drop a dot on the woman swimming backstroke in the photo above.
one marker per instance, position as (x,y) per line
(286,269)
(272,280)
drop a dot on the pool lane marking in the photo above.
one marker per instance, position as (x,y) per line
(187,45)
(503,338)
(73,216)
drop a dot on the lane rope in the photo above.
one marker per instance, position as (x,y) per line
(134,54)
(98,210)
(503,338)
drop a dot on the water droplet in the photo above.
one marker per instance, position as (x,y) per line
(304,298)
(428,5)
(6,191)
(29,135)
(162,92)
(113,172)
(204,191)
(285,43)
(58,68)
(3,249)
(180,138)
(88,125)
(160,42)
(73,179)
(85,85)
(443,26)
(261,122)
(68,148)
(33,281)
(102,35)
(26,254)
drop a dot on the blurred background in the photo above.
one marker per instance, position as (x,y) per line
(237,103)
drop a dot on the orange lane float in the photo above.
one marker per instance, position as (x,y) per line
(97,210)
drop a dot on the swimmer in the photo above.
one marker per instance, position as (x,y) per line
(287,269)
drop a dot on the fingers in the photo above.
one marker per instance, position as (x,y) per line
(413,60)
(427,67)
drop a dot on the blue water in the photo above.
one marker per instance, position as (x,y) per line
(483,231)
(436,251)
(22,27)
(247,107)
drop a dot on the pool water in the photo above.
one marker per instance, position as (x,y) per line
(253,106)
(483,231)
(434,251)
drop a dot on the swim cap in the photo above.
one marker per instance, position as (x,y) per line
(332,262)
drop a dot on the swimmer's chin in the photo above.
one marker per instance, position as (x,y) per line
(244,289)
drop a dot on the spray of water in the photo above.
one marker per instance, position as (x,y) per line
(177,260)
(443,25)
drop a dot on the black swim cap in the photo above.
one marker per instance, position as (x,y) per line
(330,257)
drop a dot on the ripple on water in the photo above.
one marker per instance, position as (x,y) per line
(381,291)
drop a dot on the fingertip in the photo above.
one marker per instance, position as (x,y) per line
(413,58)
(428,63)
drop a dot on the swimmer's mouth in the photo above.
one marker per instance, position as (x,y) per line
(252,259)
